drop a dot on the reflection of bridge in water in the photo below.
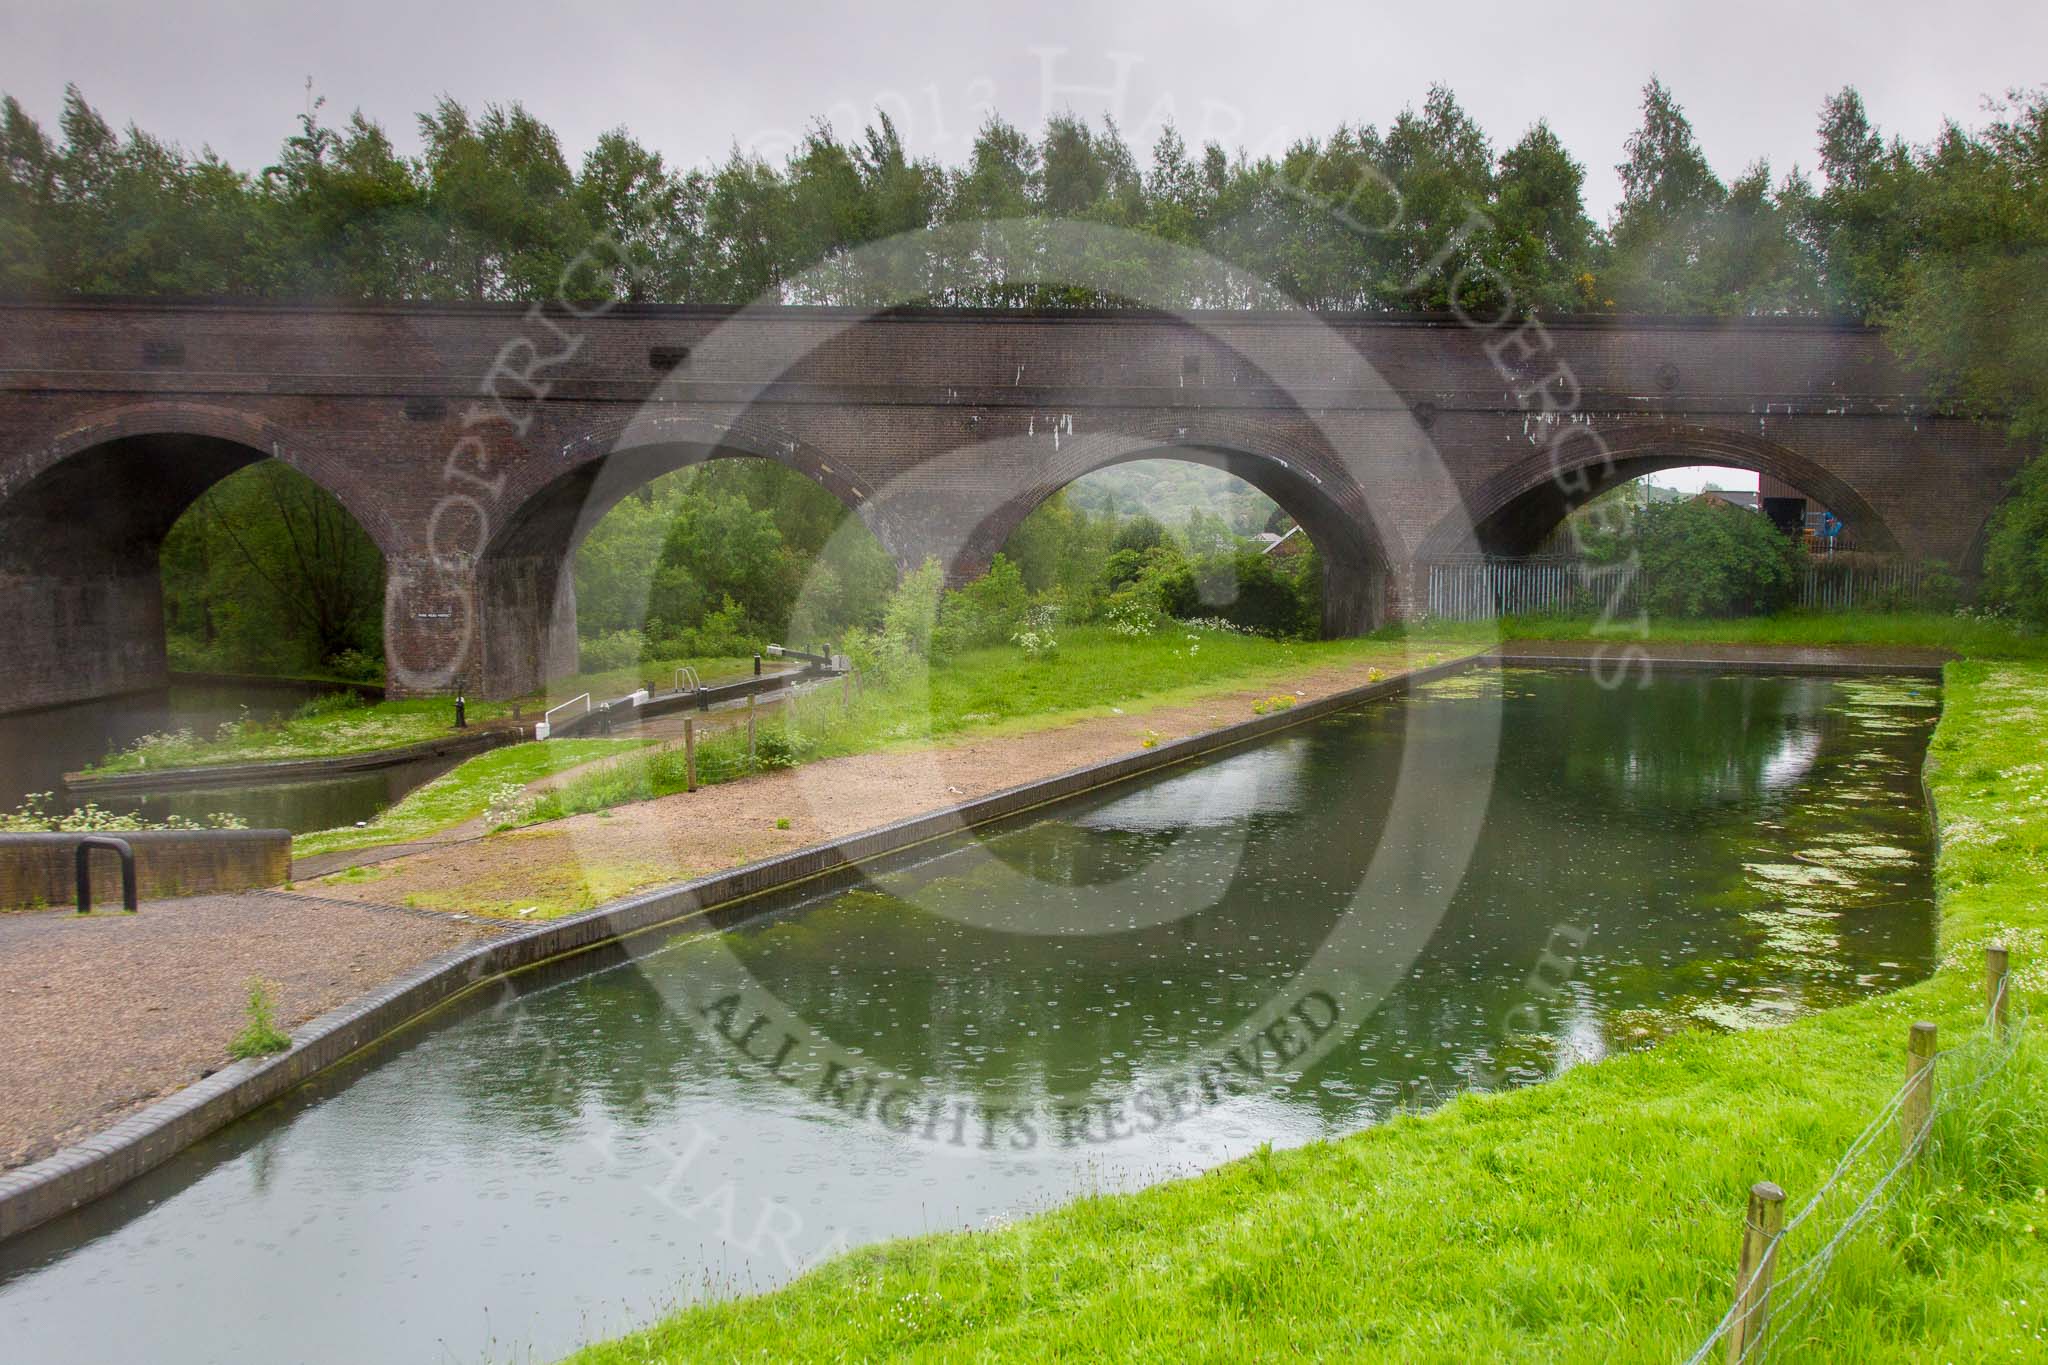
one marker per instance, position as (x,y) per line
(477,445)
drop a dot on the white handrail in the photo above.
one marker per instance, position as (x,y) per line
(544,729)
(696,683)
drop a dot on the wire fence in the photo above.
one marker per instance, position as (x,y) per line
(1482,589)
(1767,1306)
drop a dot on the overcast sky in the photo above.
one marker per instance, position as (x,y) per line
(691,78)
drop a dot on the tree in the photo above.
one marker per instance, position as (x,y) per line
(267,572)
(2016,554)
(1707,557)
(1545,240)
(1669,195)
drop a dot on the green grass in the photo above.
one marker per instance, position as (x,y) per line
(330,726)
(462,793)
(1975,638)
(323,729)
(1591,1218)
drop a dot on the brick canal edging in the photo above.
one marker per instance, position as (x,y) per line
(137,1144)
(38,870)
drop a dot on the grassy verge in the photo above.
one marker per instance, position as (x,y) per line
(325,727)
(1973,638)
(987,691)
(462,793)
(344,723)
(1593,1217)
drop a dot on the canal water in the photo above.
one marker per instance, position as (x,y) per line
(1000,1024)
(37,748)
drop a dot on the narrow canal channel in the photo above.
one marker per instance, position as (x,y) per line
(562,1160)
(38,747)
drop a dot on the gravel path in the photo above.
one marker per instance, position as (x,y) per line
(101,1014)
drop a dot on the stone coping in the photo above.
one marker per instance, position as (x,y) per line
(59,1184)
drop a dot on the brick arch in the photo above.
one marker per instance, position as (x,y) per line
(525,574)
(1514,510)
(82,529)
(226,439)
(593,472)
(1307,482)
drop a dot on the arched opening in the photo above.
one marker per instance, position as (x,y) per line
(141,553)
(1526,509)
(677,551)
(136,568)
(1252,528)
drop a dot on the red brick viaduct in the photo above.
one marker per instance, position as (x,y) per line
(477,444)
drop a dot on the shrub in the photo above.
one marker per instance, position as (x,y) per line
(2016,553)
(1249,590)
(614,649)
(1139,534)
(355,665)
(1706,557)
(988,611)
(328,704)
(911,613)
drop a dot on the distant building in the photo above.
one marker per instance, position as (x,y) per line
(1790,510)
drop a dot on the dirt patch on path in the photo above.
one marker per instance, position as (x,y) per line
(101,1014)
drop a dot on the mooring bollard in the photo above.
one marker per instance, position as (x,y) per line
(750,727)
(689,755)
(1997,984)
(1916,1109)
(1761,1225)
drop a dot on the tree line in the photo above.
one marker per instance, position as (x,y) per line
(491,208)
(1945,242)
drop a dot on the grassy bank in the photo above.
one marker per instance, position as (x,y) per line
(343,722)
(1593,1217)
(1976,638)
(324,727)
(463,793)
(985,691)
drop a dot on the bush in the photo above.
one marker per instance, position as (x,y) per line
(2016,554)
(1139,534)
(988,611)
(1706,557)
(328,704)
(355,665)
(1251,591)
(614,649)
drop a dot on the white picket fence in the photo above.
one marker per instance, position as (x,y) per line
(1480,589)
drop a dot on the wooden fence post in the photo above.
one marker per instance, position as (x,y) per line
(1760,1228)
(1916,1110)
(1997,988)
(689,754)
(750,727)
